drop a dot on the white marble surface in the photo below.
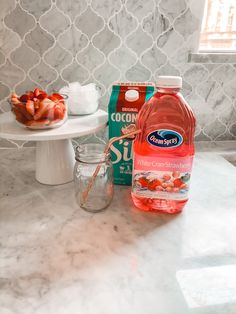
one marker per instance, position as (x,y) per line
(57,259)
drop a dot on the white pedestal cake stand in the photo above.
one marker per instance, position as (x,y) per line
(55,156)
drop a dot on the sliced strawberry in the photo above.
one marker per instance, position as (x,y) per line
(36,103)
(41,122)
(24,98)
(23,110)
(14,99)
(49,114)
(14,95)
(58,113)
(56,98)
(30,107)
(61,106)
(19,115)
(37,91)
(30,94)
(42,95)
(44,105)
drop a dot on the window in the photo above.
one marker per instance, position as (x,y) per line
(219,26)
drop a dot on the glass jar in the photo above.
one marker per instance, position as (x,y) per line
(99,196)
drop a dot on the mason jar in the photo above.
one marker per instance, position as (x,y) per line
(96,195)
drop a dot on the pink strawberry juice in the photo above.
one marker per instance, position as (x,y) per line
(164,150)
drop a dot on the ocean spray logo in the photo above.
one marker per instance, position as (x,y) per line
(165,138)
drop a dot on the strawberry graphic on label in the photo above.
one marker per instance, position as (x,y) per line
(143,182)
(178,182)
(154,184)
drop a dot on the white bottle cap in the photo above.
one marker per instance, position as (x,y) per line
(169,81)
(132,95)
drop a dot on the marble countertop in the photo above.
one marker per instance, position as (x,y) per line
(57,259)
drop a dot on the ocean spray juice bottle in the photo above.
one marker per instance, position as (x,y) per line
(164,150)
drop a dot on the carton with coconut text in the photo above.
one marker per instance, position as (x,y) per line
(125,102)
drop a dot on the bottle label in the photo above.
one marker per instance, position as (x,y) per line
(162,178)
(165,138)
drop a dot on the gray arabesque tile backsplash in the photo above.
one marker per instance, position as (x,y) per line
(50,43)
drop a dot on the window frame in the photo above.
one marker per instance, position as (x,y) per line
(214,50)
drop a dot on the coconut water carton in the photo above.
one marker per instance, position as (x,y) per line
(125,102)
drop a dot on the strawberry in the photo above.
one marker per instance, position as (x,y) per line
(36,92)
(143,181)
(19,115)
(14,99)
(36,108)
(24,98)
(57,98)
(30,94)
(30,107)
(58,113)
(183,186)
(44,105)
(14,95)
(23,110)
(62,105)
(166,177)
(36,103)
(178,182)
(42,95)
(49,114)
(153,184)
(175,174)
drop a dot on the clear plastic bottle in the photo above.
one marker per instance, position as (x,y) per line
(164,150)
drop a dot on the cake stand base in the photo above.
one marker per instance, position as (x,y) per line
(54,161)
